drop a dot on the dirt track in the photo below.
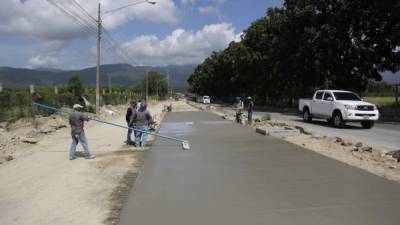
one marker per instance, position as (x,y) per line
(41,186)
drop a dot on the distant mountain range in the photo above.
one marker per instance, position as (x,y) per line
(120,74)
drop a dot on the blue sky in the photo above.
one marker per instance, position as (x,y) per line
(35,33)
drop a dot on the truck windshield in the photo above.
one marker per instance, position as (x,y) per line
(348,96)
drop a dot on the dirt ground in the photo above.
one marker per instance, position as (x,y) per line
(374,159)
(40,185)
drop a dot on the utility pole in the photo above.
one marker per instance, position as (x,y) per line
(168,95)
(397,93)
(147,86)
(109,83)
(99,27)
(98,62)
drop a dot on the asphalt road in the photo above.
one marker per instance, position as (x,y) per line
(233,176)
(383,134)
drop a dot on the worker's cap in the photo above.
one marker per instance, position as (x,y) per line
(77,106)
(248,97)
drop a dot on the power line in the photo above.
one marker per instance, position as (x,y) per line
(86,20)
(117,47)
(83,9)
(84,26)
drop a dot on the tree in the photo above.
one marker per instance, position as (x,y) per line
(157,84)
(303,46)
(75,88)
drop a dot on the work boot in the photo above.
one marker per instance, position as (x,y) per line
(90,157)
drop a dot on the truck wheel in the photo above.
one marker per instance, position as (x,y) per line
(367,124)
(338,120)
(306,115)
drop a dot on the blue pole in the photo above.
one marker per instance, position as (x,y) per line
(109,123)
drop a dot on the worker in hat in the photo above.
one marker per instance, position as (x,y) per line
(250,108)
(76,120)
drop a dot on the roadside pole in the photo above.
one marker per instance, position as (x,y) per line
(32,88)
(397,93)
(98,62)
(147,86)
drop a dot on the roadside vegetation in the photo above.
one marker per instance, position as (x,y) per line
(16,102)
(304,46)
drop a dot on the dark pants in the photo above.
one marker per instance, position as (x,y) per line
(250,117)
(239,117)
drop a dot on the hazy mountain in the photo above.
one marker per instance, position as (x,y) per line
(121,74)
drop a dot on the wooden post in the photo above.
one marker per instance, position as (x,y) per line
(56,90)
(1,87)
(32,88)
(397,93)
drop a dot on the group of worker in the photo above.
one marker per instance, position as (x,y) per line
(137,118)
(239,106)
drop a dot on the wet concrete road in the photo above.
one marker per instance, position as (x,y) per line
(232,176)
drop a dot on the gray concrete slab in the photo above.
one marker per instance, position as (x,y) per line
(234,176)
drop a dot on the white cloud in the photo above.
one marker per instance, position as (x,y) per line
(44,21)
(164,11)
(181,46)
(48,61)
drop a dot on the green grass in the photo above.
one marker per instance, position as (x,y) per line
(381,101)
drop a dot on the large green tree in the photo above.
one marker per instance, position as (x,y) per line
(305,45)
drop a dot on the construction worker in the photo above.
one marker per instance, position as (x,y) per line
(130,112)
(76,120)
(250,108)
(239,108)
(142,120)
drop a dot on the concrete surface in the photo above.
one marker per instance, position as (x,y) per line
(384,134)
(233,176)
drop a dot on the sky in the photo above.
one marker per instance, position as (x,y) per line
(62,33)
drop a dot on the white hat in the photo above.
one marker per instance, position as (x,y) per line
(77,106)
(248,97)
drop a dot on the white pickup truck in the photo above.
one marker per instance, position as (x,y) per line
(339,107)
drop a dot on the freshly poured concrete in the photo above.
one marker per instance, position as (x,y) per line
(233,176)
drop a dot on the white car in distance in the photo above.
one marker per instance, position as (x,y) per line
(204,99)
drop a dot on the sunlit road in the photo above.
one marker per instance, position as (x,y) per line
(234,176)
(382,134)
